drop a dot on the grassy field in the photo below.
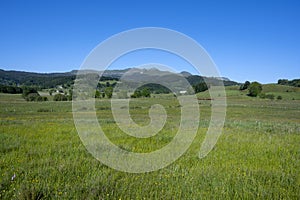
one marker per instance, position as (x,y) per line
(256,157)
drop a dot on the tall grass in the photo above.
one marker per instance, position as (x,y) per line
(257,156)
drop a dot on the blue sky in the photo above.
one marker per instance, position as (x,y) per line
(248,40)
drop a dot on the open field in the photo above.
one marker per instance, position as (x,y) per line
(256,157)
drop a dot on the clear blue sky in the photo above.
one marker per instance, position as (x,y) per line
(248,40)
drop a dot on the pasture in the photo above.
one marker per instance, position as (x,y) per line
(256,157)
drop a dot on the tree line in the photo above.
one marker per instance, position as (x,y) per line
(295,82)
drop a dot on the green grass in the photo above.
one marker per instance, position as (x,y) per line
(256,157)
(285,91)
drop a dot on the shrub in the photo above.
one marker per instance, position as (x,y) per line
(60,97)
(39,98)
(270,96)
(267,96)
(262,95)
(45,99)
(279,97)
(32,97)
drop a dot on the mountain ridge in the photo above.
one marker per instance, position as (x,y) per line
(49,80)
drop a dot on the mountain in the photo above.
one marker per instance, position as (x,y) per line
(44,80)
(52,80)
(185,74)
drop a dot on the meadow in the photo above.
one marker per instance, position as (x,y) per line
(256,157)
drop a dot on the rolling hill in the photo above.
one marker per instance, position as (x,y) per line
(52,80)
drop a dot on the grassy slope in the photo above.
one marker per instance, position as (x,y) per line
(258,155)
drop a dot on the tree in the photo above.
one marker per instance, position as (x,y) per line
(97,94)
(29,90)
(136,94)
(283,82)
(10,89)
(255,89)
(108,92)
(145,92)
(200,87)
(70,96)
(245,85)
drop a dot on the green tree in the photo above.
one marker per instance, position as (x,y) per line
(200,87)
(245,85)
(29,90)
(136,94)
(283,82)
(97,94)
(145,92)
(108,92)
(70,96)
(255,89)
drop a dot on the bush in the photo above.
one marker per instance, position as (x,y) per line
(262,95)
(32,97)
(60,97)
(279,97)
(267,96)
(270,96)
(39,98)
(35,97)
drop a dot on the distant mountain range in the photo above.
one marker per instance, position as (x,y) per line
(52,80)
